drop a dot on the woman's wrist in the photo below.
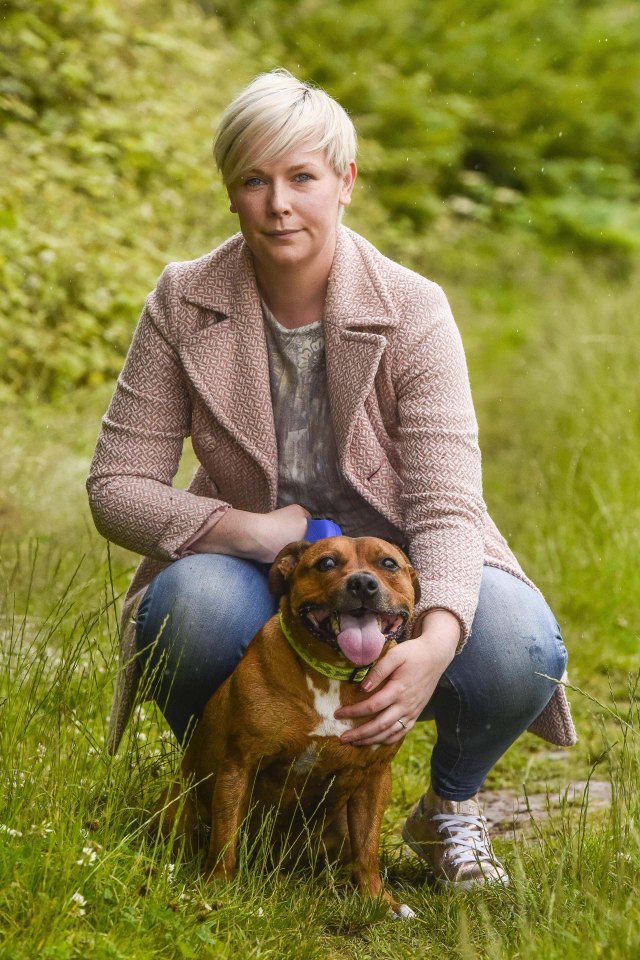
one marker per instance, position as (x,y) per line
(254,536)
(234,534)
(442,630)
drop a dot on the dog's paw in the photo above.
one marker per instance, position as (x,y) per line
(404,913)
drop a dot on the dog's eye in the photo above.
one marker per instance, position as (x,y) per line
(326,563)
(389,563)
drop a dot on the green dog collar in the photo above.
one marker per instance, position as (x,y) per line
(351,675)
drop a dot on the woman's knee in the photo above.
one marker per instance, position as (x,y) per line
(515,648)
(202,601)
(209,587)
(514,621)
(194,624)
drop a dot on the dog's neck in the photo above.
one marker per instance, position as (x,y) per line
(344,670)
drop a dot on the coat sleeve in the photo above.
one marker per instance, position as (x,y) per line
(140,444)
(441,472)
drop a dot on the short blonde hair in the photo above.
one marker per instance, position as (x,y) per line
(274,113)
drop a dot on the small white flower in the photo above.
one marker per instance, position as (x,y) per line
(169,869)
(89,855)
(42,830)
(78,904)
(463,206)
(18,779)
(506,195)
(10,831)
(141,735)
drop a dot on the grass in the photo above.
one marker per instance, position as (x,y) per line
(551,351)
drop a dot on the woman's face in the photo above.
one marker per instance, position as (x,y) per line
(288,209)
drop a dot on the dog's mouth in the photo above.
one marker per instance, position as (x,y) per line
(358,634)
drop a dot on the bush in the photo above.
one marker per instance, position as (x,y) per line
(504,117)
(107,175)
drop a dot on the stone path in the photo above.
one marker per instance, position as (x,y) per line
(506,811)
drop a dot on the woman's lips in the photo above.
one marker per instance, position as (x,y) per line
(281,234)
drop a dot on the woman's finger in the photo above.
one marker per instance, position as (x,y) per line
(372,731)
(392,734)
(372,705)
(383,668)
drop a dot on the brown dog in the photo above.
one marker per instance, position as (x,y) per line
(268,737)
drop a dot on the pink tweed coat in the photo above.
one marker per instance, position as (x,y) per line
(401,409)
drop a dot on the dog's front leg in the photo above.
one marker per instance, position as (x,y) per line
(228,810)
(365,809)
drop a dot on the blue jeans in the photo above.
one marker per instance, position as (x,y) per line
(198,615)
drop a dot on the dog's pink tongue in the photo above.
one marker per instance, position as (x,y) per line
(360,638)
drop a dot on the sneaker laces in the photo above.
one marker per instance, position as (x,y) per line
(467,838)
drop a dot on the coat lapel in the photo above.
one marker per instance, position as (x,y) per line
(358,318)
(227,359)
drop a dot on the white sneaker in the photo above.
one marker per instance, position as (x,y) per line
(453,838)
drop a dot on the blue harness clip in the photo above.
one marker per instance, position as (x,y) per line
(318,529)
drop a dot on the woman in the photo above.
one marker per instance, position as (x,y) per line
(317,377)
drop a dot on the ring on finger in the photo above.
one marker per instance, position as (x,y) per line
(403,725)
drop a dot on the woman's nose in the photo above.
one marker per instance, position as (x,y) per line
(279,202)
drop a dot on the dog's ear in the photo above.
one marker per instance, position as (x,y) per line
(417,592)
(284,565)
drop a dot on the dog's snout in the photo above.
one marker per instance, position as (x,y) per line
(364,586)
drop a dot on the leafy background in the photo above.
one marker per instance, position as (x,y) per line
(519,117)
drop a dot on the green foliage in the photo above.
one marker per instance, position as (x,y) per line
(518,113)
(106,126)
(519,117)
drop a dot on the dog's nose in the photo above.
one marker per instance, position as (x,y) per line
(363,586)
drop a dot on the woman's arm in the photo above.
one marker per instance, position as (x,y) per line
(138,451)
(440,458)
(444,518)
(254,536)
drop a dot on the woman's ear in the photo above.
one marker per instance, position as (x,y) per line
(348,180)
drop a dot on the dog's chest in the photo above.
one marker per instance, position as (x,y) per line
(321,750)
(325,704)
(315,767)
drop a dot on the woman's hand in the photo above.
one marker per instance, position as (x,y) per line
(404,681)
(254,536)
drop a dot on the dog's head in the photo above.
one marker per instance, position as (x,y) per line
(352,594)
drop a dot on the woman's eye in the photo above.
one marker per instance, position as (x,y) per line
(303,177)
(252,182)
(326,563)
(389,563)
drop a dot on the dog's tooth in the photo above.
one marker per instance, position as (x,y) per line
(335,623)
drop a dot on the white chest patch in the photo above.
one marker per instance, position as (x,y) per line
(325,704)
